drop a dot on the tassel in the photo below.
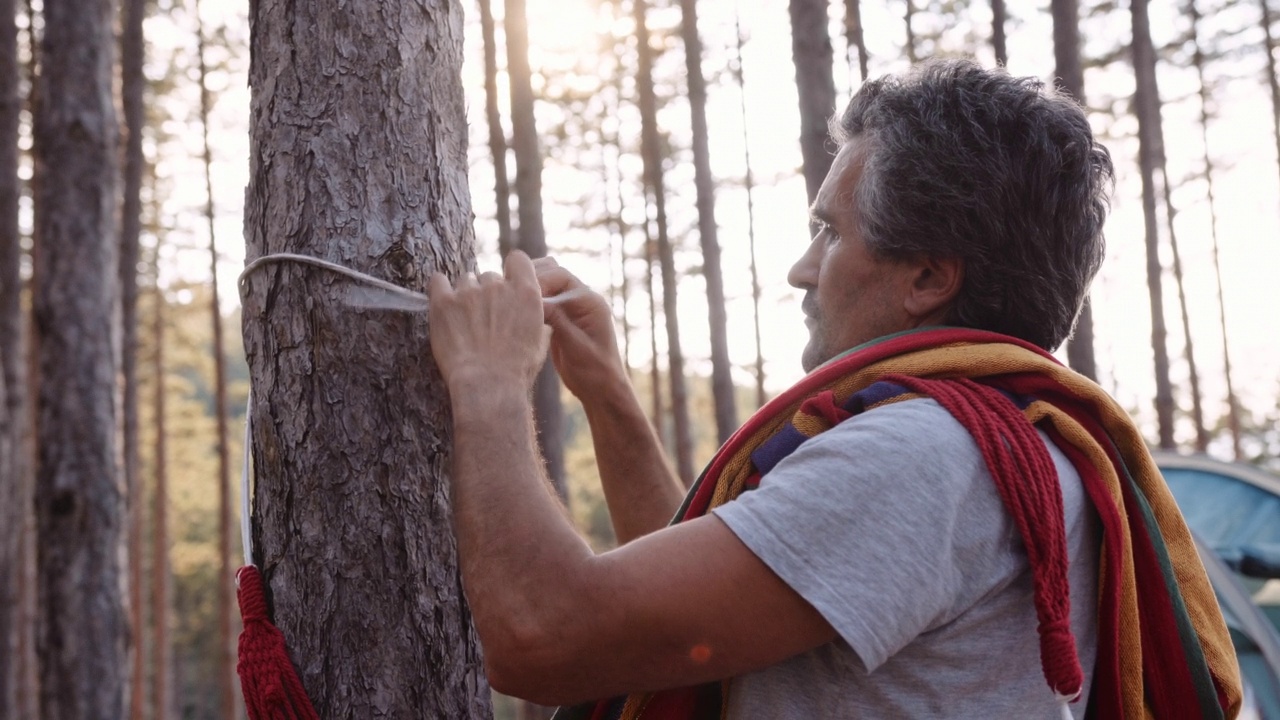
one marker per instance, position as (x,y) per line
(272,690)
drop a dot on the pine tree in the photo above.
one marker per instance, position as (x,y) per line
(812,54)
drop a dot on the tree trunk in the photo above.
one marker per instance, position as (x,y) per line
(531,236)
(1197,59)
(911,33)
(358,155)
(1188,348)
(655,372)
(161,680)
(651,150)
(133,86)
(497,138)
(1150,154)
(1070,74)
(1269,44)
(225,661)
(811,52)
(749,184)
(721,371)
(998,14)
(852,31)
(80,504)
(14,483)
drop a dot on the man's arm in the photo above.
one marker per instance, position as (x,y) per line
(639,487)
(679,606)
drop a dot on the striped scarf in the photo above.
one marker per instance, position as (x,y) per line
(1163,649)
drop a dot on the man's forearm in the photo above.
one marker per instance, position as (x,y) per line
(517,548)
(639,486)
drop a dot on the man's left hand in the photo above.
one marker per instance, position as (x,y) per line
(489,329)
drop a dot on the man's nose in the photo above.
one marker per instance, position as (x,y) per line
(804,274)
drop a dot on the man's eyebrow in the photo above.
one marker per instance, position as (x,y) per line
(819,216)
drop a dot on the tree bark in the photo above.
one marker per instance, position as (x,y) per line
(80,503)
(358,155)
(497,137)
(852,31)
(161,702)
(531,236)
(1269,44)
(749,184)
(14,484)
(1150,156)
(1197,59)
(133,86)
(722,389)
(651,150)
(225,661)
(998,15)
(811,52)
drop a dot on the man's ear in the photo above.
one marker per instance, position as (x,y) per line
(934,285)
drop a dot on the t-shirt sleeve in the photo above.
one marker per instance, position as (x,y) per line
(883,524)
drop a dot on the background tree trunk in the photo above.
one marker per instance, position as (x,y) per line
(358,157)
(497,137)
(80,505)
(853,31)
(911,33)
(531,236)
(1269,45)
(652,152)
(998,15)
(161,703)
(1188,347)
(655,371)
(14,490)
(1197,59)
(811,52)
(225,664)
(1070,74)
(1150,153)
(749,185)
(721,371)
(133,86)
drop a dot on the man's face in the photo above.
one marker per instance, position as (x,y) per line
(851,296)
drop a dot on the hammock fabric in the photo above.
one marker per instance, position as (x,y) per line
(1163,648)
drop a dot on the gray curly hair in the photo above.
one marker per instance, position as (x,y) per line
(969,163)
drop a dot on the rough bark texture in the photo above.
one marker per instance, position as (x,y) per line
(1150,155)
(1269,45)
(497,138)
(998,15)
(80,498)
(748,182)
(358,155)
(853,31)
(722,389)
(14,488)
(1197,59)
(1070,73)
(133,85)
(811,52)
(226,593)
(531,236)
(14,485)
(651,150)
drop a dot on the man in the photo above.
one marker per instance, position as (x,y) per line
(895,559)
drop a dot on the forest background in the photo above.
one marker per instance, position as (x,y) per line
(1221,120)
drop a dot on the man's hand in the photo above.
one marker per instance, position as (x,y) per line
(584,347)
(489,328)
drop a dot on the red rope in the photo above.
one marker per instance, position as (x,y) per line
(1027,481)
(272,690)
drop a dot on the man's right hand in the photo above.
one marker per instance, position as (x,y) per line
(584,346)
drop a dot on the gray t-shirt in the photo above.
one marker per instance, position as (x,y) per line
(891,527)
